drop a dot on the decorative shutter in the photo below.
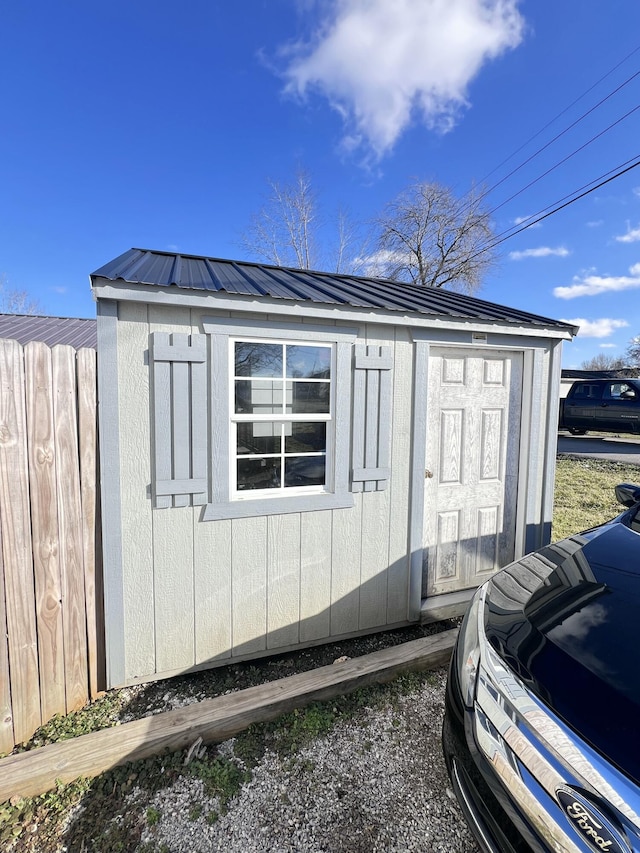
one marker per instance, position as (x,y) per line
(371,418)
(179,377)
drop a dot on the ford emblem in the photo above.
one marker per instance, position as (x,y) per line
(590,824)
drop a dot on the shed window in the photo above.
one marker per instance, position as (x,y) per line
(281,417)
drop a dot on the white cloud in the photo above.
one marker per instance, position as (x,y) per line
(608,346)
(522,220)
(632,235)
(636,191)
(540,252)
(593,285)
(381,63)
(376,263)
(595,223)
(602,328)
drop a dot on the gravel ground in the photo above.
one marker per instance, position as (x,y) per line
(374,783)
(365,774)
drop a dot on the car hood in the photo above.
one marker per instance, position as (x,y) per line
(566,619)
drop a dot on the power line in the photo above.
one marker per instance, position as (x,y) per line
(473,201)
(565,159)
(538,217)
(561,113)
(566,130)
(528,220)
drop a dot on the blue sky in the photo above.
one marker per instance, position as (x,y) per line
(157,125)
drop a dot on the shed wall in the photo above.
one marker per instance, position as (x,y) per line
(188,594)
(198,593)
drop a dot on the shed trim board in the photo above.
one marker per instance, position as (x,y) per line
(251,574)
(553,403)
(278,307)
(108,409)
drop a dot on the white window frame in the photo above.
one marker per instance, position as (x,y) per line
(225,501)
(234,418)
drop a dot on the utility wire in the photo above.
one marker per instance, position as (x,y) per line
(562,133)
(562,112)
(483,194)
(564,159)
(528,220)
(501,238)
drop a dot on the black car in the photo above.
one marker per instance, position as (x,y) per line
(542,725)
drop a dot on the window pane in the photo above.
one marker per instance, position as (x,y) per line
(308,398)
(306,438)
(258,359)
(258,438)
(258,474)
(308,362)
(304,471)
(258,397)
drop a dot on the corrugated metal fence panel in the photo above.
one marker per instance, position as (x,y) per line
(371,418)
(73,331)
(179,419)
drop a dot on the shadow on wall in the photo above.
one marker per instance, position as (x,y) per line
(270,619)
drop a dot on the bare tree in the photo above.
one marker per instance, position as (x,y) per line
(16,301)
(291,231)
(633,351)
(429,237)
(284,231)
(603,362)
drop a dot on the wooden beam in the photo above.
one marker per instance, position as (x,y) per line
(449,605)
(28,774)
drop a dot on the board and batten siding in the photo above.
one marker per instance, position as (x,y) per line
(197,594)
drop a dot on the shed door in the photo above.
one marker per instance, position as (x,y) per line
(471,477)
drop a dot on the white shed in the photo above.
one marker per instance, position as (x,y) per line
(292,457)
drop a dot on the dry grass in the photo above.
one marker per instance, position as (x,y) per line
(584,493)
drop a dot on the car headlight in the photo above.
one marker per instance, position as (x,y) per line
(468,651)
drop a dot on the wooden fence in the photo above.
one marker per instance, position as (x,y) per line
(51,625)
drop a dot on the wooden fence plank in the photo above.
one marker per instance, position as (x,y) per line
(70,526)
(30,773)
(7,741)
(88,453)
(16,544)
(44,526)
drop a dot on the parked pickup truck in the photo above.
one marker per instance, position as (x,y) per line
(601,405)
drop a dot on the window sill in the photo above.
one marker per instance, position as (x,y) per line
(276,506)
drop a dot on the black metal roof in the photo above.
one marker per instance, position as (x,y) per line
(74,331)
(618,373)
(144,266)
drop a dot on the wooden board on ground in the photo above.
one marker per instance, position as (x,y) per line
(30,773)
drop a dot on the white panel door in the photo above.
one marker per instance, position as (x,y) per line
(471,476)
